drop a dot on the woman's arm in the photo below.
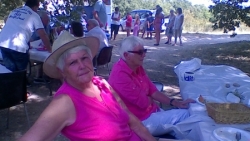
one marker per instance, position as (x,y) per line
(59,113)
(134,123)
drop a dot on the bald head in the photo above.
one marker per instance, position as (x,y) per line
(92,23)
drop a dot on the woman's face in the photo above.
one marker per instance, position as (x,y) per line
(78,68)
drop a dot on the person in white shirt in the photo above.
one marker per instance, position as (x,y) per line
(16,34)
(115,24)
(178,26)
(94,29)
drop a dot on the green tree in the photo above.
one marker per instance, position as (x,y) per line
(228,14)
(72,8)
(64,14)
(7,5)
(196,17)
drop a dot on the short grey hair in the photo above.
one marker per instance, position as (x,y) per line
(61,60)
(128,44)
(94,22)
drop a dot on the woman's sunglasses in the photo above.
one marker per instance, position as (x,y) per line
(139,52)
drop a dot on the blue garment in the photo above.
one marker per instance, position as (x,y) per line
(150,20)
(13,60)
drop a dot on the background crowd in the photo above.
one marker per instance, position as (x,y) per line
(153,24)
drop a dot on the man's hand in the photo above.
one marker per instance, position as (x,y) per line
(44,37)
(183,104)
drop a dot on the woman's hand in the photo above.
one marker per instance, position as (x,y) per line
(183,104)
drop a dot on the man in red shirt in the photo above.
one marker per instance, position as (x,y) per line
(128,24)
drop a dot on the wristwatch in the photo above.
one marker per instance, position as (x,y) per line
(171,101)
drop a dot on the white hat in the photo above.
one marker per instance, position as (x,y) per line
(64,42)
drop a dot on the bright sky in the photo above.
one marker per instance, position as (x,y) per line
(205,2)
(209,2)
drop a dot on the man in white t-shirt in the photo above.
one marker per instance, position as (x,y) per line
(15,36)
(115,24)
(95,30)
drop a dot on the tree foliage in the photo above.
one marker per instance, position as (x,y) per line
(72,9)
(7,5)
(228,14)
(196,16)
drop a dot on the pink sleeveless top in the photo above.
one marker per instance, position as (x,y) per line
(95,120)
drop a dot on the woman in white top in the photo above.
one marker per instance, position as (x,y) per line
(115,24)
(170,25)
(178,23)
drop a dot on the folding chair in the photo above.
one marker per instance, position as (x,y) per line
(103,58)
(13,91)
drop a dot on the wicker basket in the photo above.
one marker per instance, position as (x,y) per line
(228,113)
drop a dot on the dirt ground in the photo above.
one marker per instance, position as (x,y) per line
(159,63)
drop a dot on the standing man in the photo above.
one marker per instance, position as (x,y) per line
(45,20)
(100,13)
(15,36)
(150,21)
(115,24)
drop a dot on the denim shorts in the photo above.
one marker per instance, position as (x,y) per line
(13,60)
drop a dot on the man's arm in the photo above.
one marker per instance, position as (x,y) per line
(97,8)
(44,37)
(166,100)
(161,97)
(95,13)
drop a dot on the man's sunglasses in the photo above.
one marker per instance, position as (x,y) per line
(139,52)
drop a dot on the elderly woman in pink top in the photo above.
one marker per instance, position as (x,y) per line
(131,82)
(85,108)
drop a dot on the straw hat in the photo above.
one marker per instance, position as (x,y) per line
(64,42)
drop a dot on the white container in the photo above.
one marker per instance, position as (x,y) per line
(232,98)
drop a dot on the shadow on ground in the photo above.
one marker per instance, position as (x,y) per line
(159,64)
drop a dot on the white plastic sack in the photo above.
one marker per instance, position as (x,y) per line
(187,66)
